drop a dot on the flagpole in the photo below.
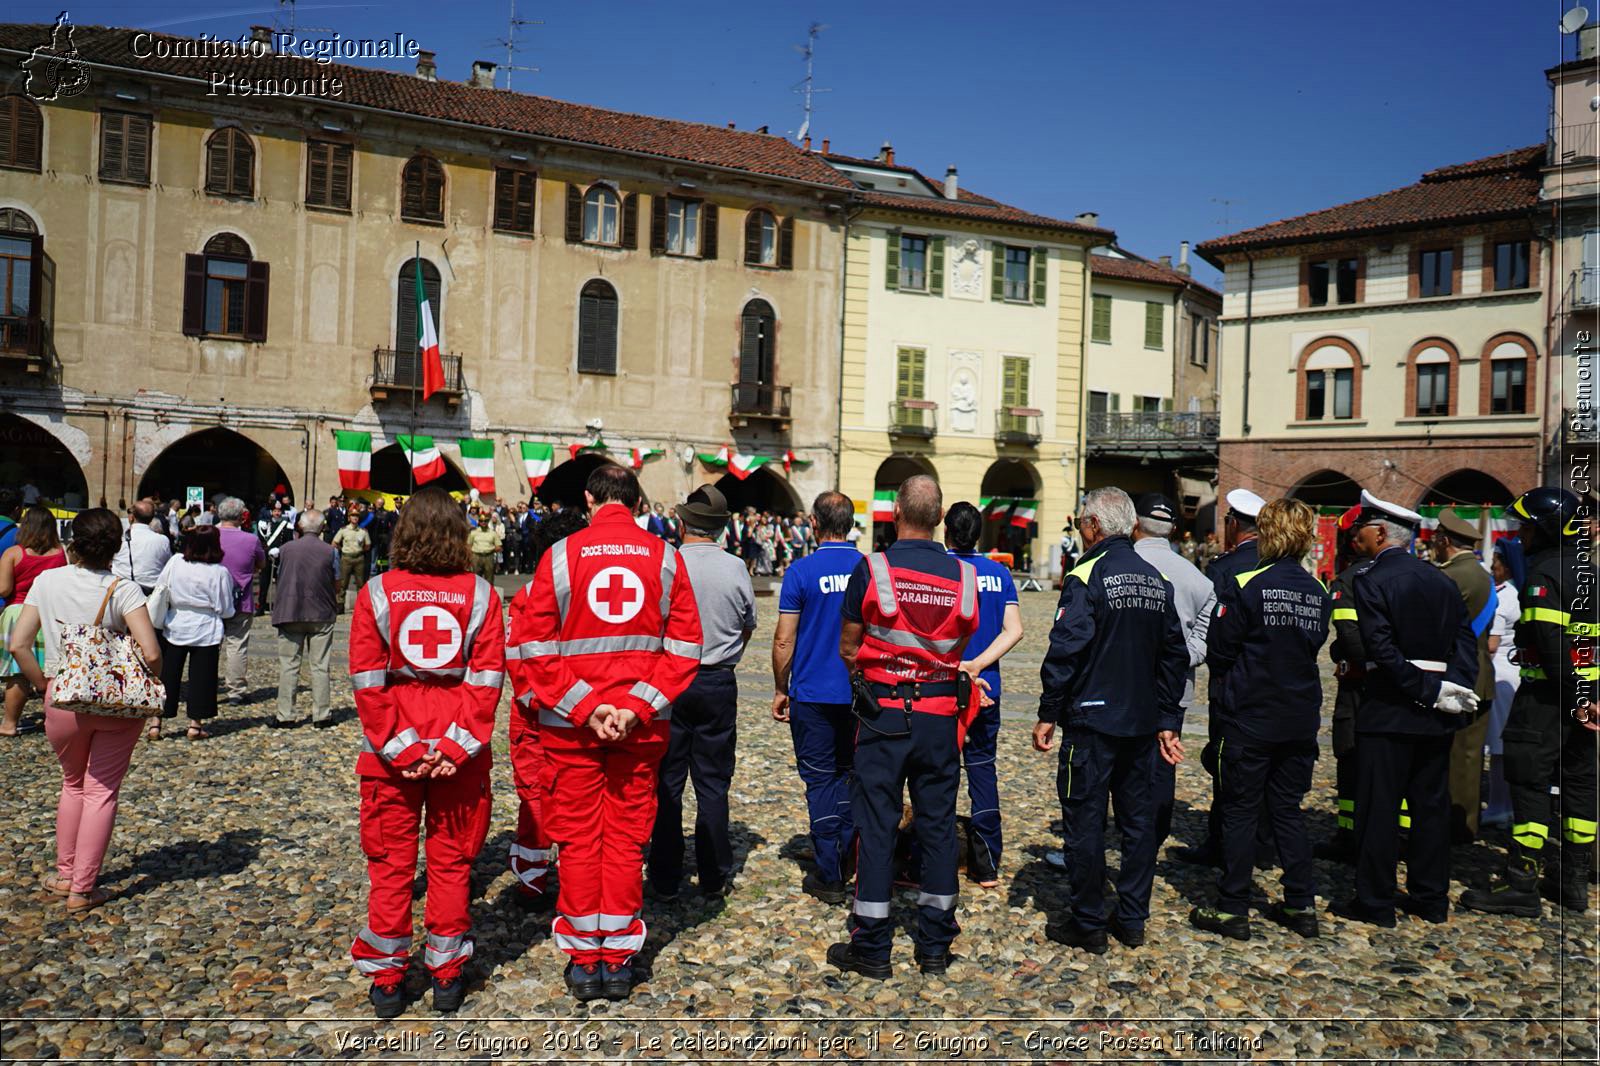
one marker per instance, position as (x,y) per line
(416,364)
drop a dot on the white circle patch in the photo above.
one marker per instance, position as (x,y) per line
(616,594)
(430,637)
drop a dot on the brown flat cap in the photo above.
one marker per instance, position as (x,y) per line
(1459,528)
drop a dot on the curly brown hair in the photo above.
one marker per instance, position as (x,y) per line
(96,537)
(430,537)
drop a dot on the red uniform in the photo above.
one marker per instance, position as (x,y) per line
(610,619)
(427,656)
(530,851)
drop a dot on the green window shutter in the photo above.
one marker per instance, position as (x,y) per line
(1041,273)
(1100,329)
(1116,401)
(936,266)
(891,273)
(1152,324)
(910,369)
(997,272)
(1014,382)
(1166,404)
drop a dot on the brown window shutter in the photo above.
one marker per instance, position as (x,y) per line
(752,238)
(588,312)
(113,145)
(750,348)
(433,190)
(708,231)
(36,292)
(786,244)
(244,157)
(194,295)
(21,133)
(574,215)
(658,225)
(630,220)
(505,198)
(526,188)
(339,157)
(422,189)
(219,165)
(411,195)
(606,336)
(255,302)
(317,173)
(138,168)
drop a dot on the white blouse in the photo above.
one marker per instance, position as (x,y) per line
(200,596)
(1508,609)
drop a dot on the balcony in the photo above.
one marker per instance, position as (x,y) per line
(913,418)
(1018,425)
(1572,144)
(26,343)
(396,375)
(1153,433)
(753,401)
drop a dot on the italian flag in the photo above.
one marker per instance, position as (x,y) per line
(1024,512)
(883,505)
(742,466)
(995,507)
(355,458)
(426,462)
(477,457)
(638,456)
(428,346)
(596,445)
(536,459)
(719,459)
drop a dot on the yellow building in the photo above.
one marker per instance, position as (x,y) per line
(963,351)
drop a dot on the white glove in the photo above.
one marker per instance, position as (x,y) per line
(273,552)
(1456,699)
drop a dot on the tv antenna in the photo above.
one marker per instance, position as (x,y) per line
(806,87)
(511,45)
(1227,205)
(285,21)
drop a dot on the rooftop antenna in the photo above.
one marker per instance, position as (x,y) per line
(285,21)
(510,42)
(1227,204)
(805,87)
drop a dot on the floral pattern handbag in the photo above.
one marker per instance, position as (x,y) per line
(102,672)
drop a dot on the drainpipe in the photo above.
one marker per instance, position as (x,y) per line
(1249,304)
(850,215)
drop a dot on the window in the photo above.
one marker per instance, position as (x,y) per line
(406,334)
(513,199)
(26,283)
(1435,272)
(225,291)
(600,213)
(597,329)
(1014,391)
(230,163)
(911,366)
(328,166)
(1510,388)
(1509,367)
(1433,389)
(125,147)
(422,190)
(1431,366)
(1147,404)
(758,333)
(683,226)
(1199,341)
(1343,389)
(1589,276)
(1335,278)
(768,243)
(1099,402)
(1019,275)
(1316,395)
(1154,326)
(1100,328)
(913,263)
(1511,265)
(16,274)
(1331,375)
(21,133)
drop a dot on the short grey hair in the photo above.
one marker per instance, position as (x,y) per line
(231,509)
(1156,527)
(1112,508)
(310,521)
(1396,533)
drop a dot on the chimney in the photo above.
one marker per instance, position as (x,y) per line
(1183,256)
(427,69)
(762,129)
(1166,261)
(261,34)
(1589,41)
(730,125)
(824,146)
(806,144)
(886,154)
(1088,218)
(482,74)
(950,186)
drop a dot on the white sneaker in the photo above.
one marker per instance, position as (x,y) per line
(1056,858)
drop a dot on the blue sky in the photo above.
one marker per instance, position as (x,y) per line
(1148,113)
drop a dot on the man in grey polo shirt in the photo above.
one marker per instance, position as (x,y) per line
(704,718)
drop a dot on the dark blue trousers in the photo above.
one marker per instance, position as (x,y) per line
(824,753)
(926,760)
(704,730)
(1416,769)
(1248,773)
(983,788)
(1094,767)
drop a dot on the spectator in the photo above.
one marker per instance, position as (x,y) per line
(199,597)
(93,749)
(144,549)
(38,548)
(244,557)
(10,508)
(1510,573)
(352,543)
(333,519)
(304,614)
(483,542)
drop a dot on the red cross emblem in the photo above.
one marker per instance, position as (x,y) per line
(616,594)
(430,637)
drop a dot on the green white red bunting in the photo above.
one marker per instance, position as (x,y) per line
(355,458)
(477,460)
(1023,513)
(637,457)
(719,459)
(536,459)
(883,505)
(596,445)
(742,466)
(426,462)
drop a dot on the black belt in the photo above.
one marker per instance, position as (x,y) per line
(913,690)
(720,666)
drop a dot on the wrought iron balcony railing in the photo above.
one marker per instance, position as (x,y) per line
(1018,425)
(1190,430)
(401,372)
(1572,144)
(913,418)
(756,400)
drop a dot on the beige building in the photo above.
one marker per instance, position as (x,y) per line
(202,288)
(963,351)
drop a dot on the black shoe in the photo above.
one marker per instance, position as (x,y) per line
(278,723)
(981,870)
(1303,922)
(447,994)
(1566,879)
(1340,849)
(324,723)
(827,891)
(1207,854)
(1236,926)
(535,902)
(585,981)
(387,1003)
(1436,915)
(932,962)
(1076,936)
(1132,936)
(1351,909)
(618,981)
(659,894)
(844,956)
(1513,891)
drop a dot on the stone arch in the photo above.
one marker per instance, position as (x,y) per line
(1468,487)
(565,483)
(30,454)
(1015,479)
(391,472)
(765,490)
(1327,488)
(219,460)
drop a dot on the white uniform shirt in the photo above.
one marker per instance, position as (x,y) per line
(200,597)
(143,554)
(1508,609)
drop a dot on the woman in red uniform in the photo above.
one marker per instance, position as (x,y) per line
(427,656)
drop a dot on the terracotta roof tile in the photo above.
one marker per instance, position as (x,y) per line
(1110,266)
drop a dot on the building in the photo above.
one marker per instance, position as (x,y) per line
(204,284)
(1395,343)
(1151,380)
(963,350)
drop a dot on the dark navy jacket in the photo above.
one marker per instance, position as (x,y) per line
(1410,613)
(1223,569)
(1267,629)
(1117,659)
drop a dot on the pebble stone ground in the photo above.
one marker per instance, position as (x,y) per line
(239,884)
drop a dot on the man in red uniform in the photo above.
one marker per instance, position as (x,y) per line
(427,655)
(609,638)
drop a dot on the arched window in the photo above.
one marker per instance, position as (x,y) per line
(225,291)
(1431,378)
(422,190)
(21,133)
(600,211)
(230,163)
(14,221)
(761,239)
(405,311)
(758,347)
(1330,381)
(25,277)
(1507,373)
(597,329)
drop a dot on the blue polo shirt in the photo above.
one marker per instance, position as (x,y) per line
(813,588)
(995,591)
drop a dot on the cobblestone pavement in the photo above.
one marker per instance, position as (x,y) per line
(239,883)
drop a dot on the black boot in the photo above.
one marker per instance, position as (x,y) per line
(844,956)
(447,994)
(1342,848)
(618,982)
(387,1002)
(585,981)
(1515,890)
(1566,880)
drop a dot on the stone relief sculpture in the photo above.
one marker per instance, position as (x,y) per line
(966,270)
(963,402)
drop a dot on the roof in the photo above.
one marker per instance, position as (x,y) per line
(1497,186)
(1141,270)
(501,109)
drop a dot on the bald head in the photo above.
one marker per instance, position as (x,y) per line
(918,507)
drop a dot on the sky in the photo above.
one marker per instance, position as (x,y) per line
(1172,121)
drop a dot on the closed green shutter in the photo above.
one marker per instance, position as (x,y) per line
(1100,329)
(891,272)
(1152,324)
(1166,404)
(997,272)
(910,367)
(1116,401)
(936,266)
(1041,267)
(1014,381)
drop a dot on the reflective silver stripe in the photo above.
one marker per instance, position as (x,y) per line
(485,678)
(969,590)
(366,746)
(480,608)
(625,943)
(577,943)
(560,578)
(944,903)
(669,573)
(523,700)
(902,639)
(870,910)
(1432,666)
(530,854)
(400,743)
(391,945)
(444,673)
(883,581)
(683,648)
(532,649)
(469,743)
(600,923)
(379,965)
(553,719)
(380,607)
(369,679)
(443,949)
(608,645)
(575,695)
(650,694)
